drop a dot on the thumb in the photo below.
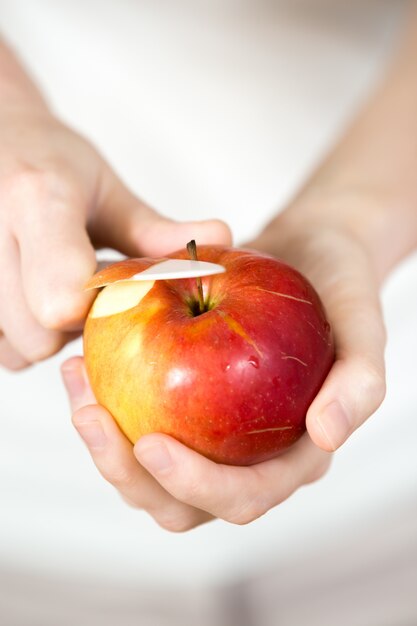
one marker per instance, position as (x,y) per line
(125,223)
(355,386)
(162,236)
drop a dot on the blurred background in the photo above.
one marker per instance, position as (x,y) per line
(209,108)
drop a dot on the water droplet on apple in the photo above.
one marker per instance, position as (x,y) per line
(254,361)
(227,368)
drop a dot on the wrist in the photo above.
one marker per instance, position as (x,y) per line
(22,112)
(383,225)
(16,101)
(381,219)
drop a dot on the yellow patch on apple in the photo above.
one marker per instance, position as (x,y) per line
(120,296)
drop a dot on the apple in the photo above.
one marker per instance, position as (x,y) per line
(232,381)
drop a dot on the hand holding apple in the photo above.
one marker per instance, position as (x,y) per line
(231,377)
(178,487)
(60,200)
(182,489)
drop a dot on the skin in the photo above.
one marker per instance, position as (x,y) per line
(353,221)
(60,200)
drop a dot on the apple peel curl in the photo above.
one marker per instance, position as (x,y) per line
(122,270)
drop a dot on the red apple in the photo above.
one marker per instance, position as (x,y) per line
(234,382)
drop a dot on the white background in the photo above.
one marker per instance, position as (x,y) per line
(205,109)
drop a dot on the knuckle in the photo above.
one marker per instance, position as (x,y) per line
(57,312)
(373,383)
(10,358)
(28,180)
(176,522)
(28,184)
(131,503)
(319,470)
(248,511)
(192,490)
(51,314)
(120,477)
(13,366)
(50,344)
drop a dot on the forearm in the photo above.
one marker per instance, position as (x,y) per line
(368,183)
(17,90)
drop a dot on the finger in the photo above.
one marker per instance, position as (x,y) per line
(126,224)
(235,494)
(113,456)
(25,336)
(355,387)
(9,357)
(57,258)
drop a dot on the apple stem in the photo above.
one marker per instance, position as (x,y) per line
(192,251)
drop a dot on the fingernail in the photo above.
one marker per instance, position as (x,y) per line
(74,382)
(155,458)
(92,433)
(334,424)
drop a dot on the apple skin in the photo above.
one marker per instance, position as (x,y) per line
(233,383)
